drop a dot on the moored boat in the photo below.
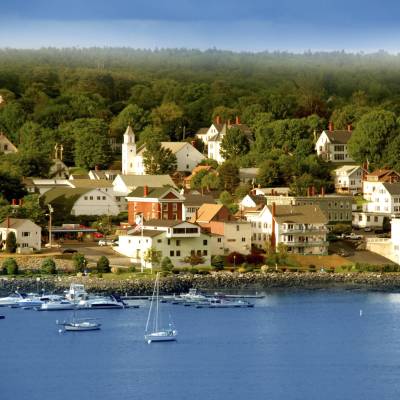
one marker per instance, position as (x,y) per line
(11,299)
(57,306)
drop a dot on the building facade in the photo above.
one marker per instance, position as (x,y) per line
(27,233)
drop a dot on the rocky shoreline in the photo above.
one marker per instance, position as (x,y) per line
(222,281)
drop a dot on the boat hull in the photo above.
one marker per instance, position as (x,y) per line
(81,328)
(163,336)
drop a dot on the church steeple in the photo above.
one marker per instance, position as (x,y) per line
(128,152)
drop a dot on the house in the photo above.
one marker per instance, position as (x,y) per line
(205,134)
(41,186)
(125,184)
(193,202)
(187,156)
(337,208)
(348,179)
(214,142)
(187,180)
(381,200)
(175,239)
(228,234)
(105,174)
(301,229)
(162,203)
(332,145)
(6,147)
(81,201)
(275,191)
(251,201)
(382,175)
(27,233)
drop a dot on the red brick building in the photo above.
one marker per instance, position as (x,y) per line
(163,203)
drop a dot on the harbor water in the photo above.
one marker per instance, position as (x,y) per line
(293,345)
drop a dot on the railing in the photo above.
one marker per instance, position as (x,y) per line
(378,240)
(288,231)
(306,244)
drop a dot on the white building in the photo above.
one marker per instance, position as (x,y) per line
(125,184)
(187,156)
(348,179)
(332,145)
(381,200)
(27,233)
(171,238)
(302,229)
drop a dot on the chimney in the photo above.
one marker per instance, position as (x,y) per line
(96,167)
(218,119)
(330,126)
(237,120)
(273,236)
(145,190)
(322,191)
(349,128)
(14,202)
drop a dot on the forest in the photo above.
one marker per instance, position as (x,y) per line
(83,97)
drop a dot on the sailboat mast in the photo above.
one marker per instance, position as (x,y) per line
(158,289)
(151,307)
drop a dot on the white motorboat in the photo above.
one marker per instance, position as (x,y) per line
(193,296)
(216,302)
(11,299)
(76,292)
(57,305)
(102,302)
(157,334)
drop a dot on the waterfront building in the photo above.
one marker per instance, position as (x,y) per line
(27,233)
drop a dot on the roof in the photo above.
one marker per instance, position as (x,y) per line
(91,183)
(382,175)
(79,176)
(346,169)
(173,146)
(202,131)
(339,136)
(153,192)
(197,199)
(392,188)
(222,128)
(163,222)
(310,214)
(15,223)
(132,181)
(64,198)
(207,212)
(146,232)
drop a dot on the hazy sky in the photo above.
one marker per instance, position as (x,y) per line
(254,25)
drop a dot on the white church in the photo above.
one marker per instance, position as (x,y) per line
(187,156)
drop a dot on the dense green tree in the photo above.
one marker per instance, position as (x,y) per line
(103,265)
(10,266)
(269,174)
(11,242)
(131,115)
(168,117)
(79,262)
(12,117)
(210,182)
(234,144)
(229,175)
(48,266)
(158,160)
(11,187)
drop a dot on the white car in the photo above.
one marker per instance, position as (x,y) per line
(105,242)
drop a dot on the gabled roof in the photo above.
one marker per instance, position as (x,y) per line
(15,223)
(197,199)
(133,181)
(152,192)
(207,212)
(310,214)
(91,183)
(382,175)
(64,198)
(173,146)
(339,136)
(346,169)
(222,129)
(392,188)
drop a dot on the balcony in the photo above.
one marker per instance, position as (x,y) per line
(304,231)
(317,243)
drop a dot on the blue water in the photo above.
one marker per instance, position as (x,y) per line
(290,346)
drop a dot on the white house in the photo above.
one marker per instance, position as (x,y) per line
(381,200)
(83,201)
(302,229)
(348,179)
(332,145)
(125,184)
(187,156)
(27,233)
(171,238)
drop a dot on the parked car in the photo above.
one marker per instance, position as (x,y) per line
(353,236)
(105,242)
(368,229)
(69,251)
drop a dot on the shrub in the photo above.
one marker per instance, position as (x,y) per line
(48,266)
(235,258)
(255,258)
(103,264)
(242,270)
(10,266)
(132,268)
(11,243)
(115,270)
(166,264)
(218,263)
(79,261)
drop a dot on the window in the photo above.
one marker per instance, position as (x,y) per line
(339,147)
(98,198)
(204,252)
(244,239)
(187,166)
(91,198)
(204,242)
(178,242)
(25,234)
(169,242)
(172,253)
(85,197)
(158,240)
(237,228)
(104,197)
(219,240)
(339,157)
(178,253)
(375,219)
(199,252)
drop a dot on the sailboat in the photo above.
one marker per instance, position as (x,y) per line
(153,332)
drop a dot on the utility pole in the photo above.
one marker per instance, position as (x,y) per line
(51,209)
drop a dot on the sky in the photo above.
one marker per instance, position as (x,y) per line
(239,25)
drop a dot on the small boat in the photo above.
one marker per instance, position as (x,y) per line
(57,306)
(79,325)
(192,296)
(11,299)
(157,334)
(31,300)
(223,303)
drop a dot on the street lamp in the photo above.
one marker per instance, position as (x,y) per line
(234,261)
(51,210)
